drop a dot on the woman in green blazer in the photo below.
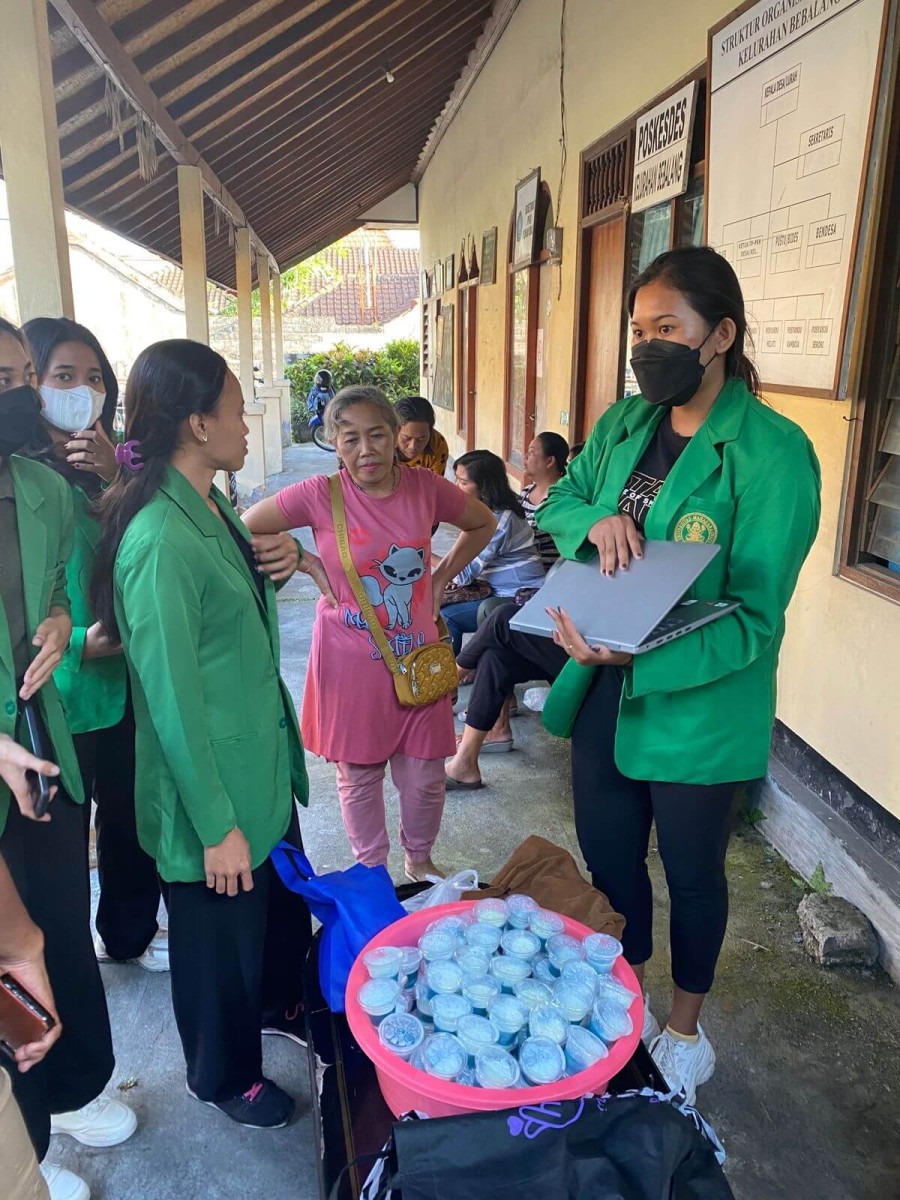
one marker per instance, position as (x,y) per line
(219,757)
(669,735)
(46,858)
(79,392)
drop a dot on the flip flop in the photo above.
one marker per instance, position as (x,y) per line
(457,785)
(501,746)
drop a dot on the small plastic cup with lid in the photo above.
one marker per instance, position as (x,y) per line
(510,1016)
(423,998)
(406,1002)
(532,993)
(467,1079)
(444,1056)
(574,1000)
(580,972)
(509,971)
(541,969)
(541,1061)
(436,944)
(447,1009)
(451,922)
(480,990)
(492,912)
(546,924)
(472,960)
(610,1021)
(496,1068)
(611,988)
(409,966)
(548,1021)
(562,949)
(583,1049)
(601,951)
(519,909)
(476,1034)
(520,943)
(383,962)
(483,937)
(378,997)
(443,976)
(401,1033)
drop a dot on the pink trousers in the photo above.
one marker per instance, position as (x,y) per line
(420,782)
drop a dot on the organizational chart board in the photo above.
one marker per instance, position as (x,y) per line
(791,91)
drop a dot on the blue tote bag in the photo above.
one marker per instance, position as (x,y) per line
(352,905)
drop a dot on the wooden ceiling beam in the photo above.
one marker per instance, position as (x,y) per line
(288,135)
(75,148)
(84,20)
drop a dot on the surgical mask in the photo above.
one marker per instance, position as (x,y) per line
(669,374)
(72,409)
(20,411)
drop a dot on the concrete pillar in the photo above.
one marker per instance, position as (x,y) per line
(285,406)
(265,309)
(277,327)
(193,253)
(31,165)
(252,479)
(271,397)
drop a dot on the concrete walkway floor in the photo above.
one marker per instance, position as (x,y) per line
(806,1096)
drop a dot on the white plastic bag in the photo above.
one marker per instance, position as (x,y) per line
(443,891)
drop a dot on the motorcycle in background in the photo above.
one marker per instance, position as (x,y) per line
(316,402)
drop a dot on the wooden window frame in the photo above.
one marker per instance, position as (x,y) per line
(467,356)
(545,203)
(875,376)
(624,130)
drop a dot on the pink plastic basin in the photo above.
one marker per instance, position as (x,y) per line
(404,1088)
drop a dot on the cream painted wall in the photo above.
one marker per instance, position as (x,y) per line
(841,657)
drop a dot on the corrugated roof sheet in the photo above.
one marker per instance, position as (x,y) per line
(286,100)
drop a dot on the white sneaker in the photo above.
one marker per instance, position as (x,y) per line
(63,1184)
(154,958)
(651,1027)
(684,1065)
(103,1122)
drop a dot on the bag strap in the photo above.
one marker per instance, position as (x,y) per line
(339,516)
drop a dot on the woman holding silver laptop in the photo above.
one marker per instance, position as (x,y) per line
(669,735)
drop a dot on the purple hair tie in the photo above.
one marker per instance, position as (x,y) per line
(128,455)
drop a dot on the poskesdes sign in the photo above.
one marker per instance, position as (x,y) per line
(662,149)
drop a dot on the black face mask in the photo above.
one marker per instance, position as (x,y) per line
(668,373)
(20,413)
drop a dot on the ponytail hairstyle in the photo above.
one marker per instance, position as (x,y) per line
(555,446)
(708,283)
(44,335)
(169,382)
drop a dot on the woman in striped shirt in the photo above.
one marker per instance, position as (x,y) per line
(510,560)
(545,464)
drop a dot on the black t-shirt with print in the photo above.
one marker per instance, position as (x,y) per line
(650,473)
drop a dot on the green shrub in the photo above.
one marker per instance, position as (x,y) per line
(394,369)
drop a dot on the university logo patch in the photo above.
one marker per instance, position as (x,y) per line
(696,527)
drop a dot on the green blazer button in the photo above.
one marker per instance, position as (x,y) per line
(282,724)
(11,708)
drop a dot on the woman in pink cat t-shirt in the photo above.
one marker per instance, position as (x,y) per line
(350,714)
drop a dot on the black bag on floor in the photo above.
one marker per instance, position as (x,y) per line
(632,1147)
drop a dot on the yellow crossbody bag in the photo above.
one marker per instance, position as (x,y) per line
(425,674)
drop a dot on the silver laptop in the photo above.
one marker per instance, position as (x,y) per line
(634,611)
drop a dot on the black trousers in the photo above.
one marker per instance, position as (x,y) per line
(236,964)
(47,864)
(503,657)
(129,885)
(613,815)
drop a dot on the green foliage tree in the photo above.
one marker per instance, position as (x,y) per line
(394,369)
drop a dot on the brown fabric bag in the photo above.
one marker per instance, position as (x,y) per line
(550,875)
